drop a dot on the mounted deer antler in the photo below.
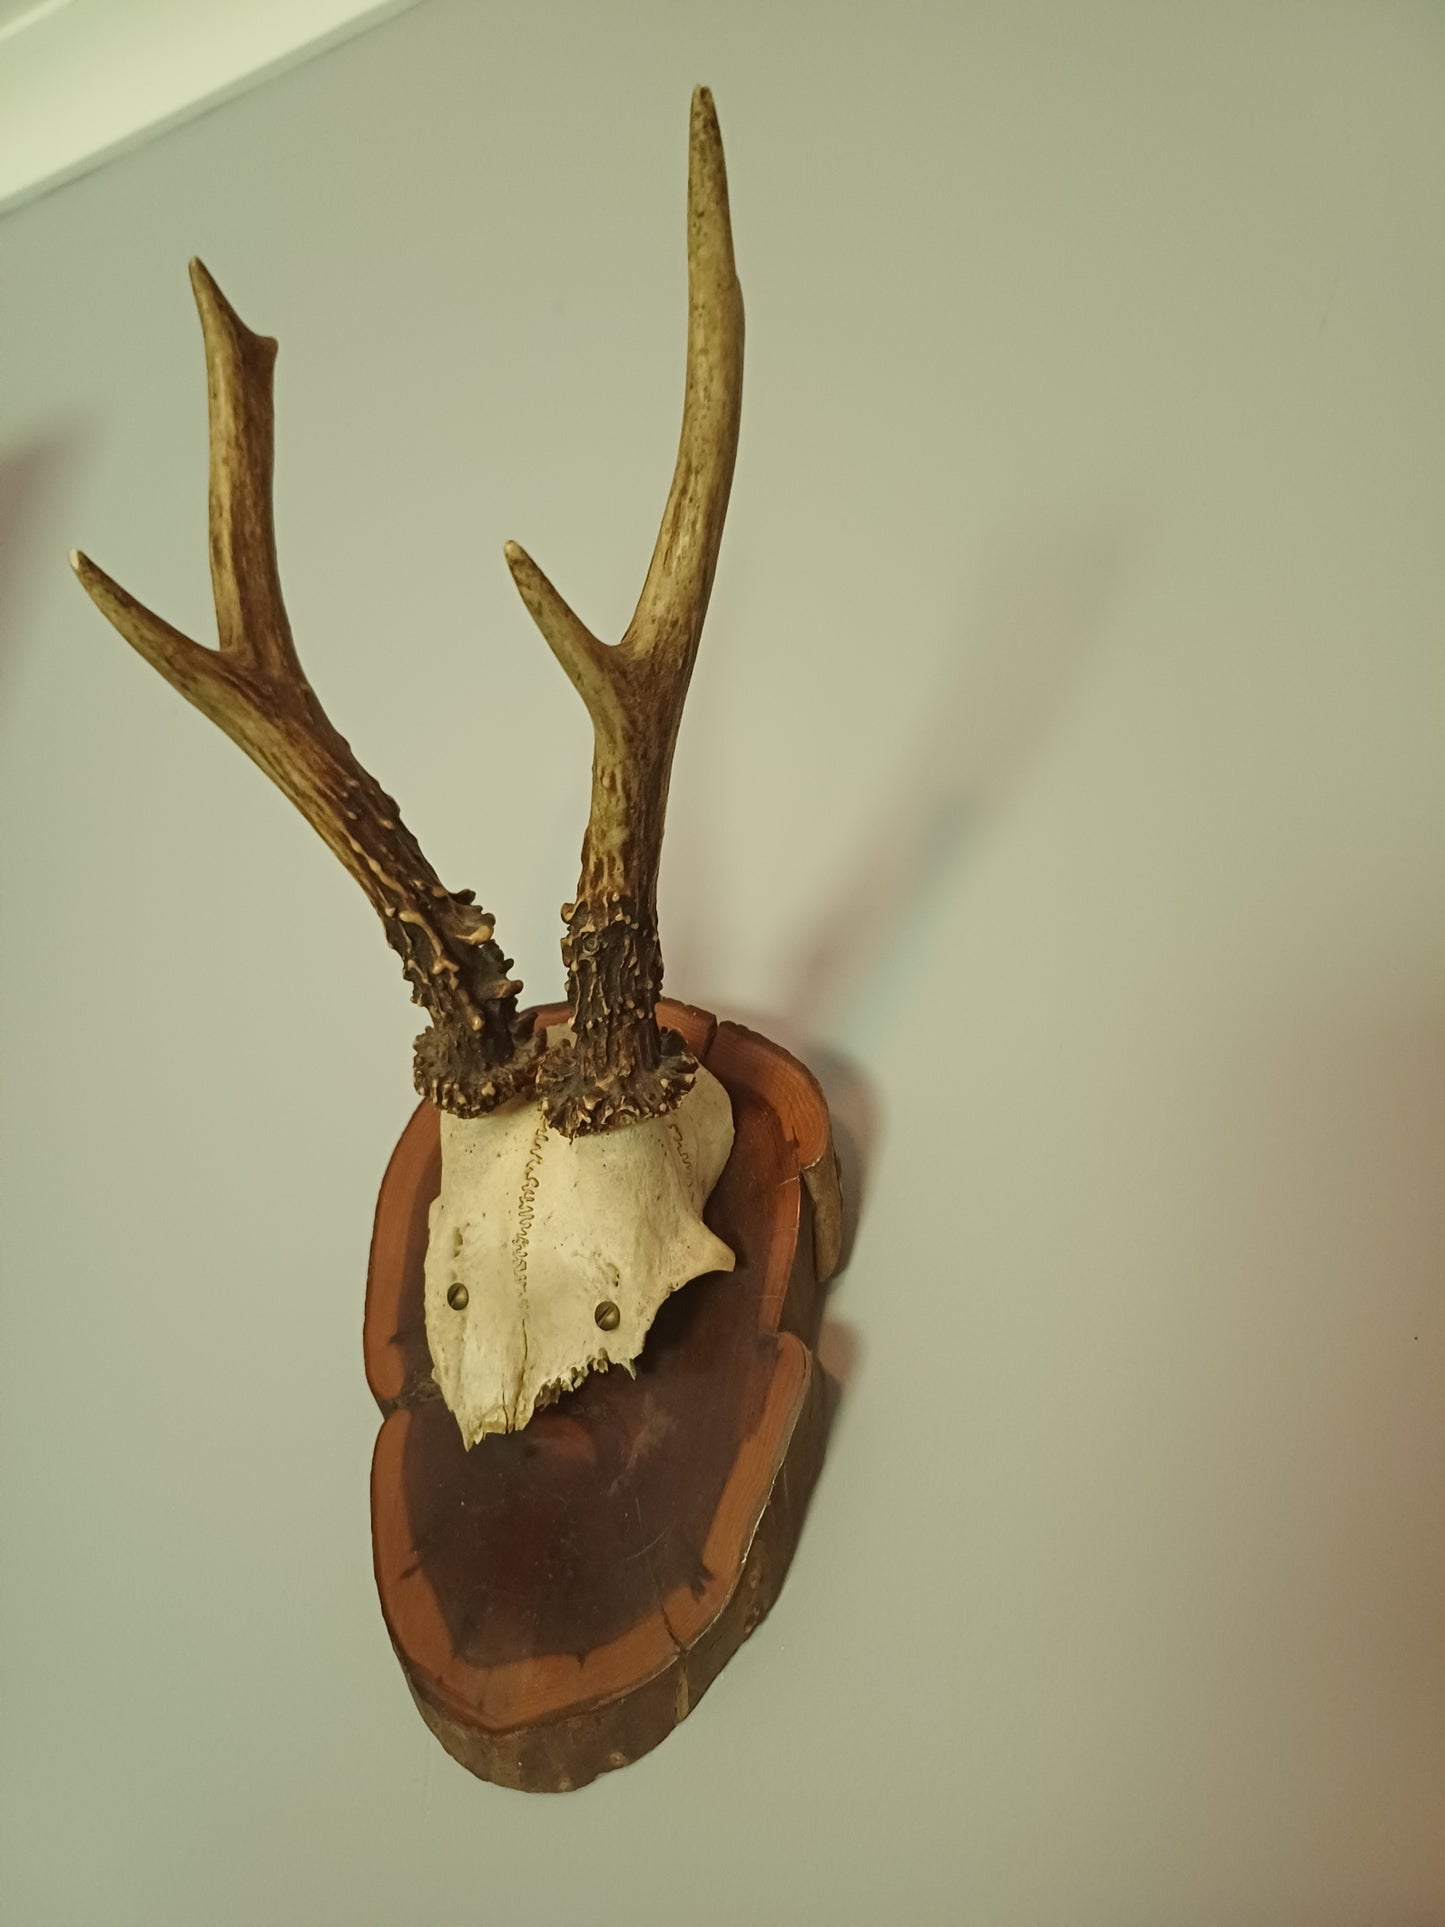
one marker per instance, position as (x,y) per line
(565,1220)
(621,1067)
(550,1254)
(479,1051)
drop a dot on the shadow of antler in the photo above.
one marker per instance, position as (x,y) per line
(1040,616)
(33,478)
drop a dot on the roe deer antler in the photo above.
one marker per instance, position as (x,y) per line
(479,1050)
(620,1066)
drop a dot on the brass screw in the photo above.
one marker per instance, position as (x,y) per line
(457,1297)
(608,1316)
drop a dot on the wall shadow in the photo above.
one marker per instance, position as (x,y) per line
(35,478)
(1038,620)
(1039,616)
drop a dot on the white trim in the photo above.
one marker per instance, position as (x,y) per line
(82,80)
(15,20)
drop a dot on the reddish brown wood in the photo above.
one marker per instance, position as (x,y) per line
(559,1598)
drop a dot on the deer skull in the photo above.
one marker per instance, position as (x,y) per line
(549,1256)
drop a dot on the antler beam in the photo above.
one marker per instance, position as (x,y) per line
(479,1051)
(621,1067)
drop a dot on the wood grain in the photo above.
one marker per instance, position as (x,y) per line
(559,1598)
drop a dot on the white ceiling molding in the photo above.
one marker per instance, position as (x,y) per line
(82,80)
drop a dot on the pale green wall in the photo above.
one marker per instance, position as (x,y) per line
(1066,747)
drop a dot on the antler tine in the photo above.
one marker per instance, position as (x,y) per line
(675,594)
(670,610)
(479,1050)
(581,655)
(622,1067)
(251,620)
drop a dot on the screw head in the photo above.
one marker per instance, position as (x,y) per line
(457,1297)
(608,1316)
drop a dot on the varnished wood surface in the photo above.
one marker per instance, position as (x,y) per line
(560,1597)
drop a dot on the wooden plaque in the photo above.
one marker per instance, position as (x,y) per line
(560,1597)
